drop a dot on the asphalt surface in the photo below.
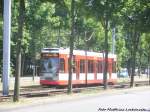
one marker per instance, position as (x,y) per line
(129,101)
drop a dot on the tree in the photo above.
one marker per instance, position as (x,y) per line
(70,68)
(134,25)
(1,7)
(18,55)
(104,11)
(148,54)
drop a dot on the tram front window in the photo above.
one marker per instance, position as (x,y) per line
(50,65)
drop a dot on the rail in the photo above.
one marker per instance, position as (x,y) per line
(39,91)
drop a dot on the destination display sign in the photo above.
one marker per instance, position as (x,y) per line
(49,55)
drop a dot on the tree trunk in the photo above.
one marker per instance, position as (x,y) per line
(106,55)
(22,64)
(133,70)
(129,66)
(139,67)
(18,57)
(70,68)
(135,43)
(1,8)
(33,69)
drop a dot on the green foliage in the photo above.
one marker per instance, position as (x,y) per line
(1,7)
(121,50)
(44,21)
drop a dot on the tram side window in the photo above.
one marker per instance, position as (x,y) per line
(62,65)
(99,67)
(90,66)
(114,67)
(82,66)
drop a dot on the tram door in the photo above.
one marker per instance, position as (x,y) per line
(76,69)
(75,75)
(110,69)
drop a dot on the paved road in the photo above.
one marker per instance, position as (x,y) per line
(138,101)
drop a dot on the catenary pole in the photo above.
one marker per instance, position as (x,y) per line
(6,46)
(113,40)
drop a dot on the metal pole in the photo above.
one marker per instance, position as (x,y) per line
(113,40)
(86,61)
(6,46)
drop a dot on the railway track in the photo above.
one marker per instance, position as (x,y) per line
(39,91)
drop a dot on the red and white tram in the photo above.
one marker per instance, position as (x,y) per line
(54,67)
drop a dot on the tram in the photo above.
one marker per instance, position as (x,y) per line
(88,67)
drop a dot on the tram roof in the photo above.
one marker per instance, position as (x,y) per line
(76,52)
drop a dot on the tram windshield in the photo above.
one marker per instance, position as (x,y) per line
(50,65)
